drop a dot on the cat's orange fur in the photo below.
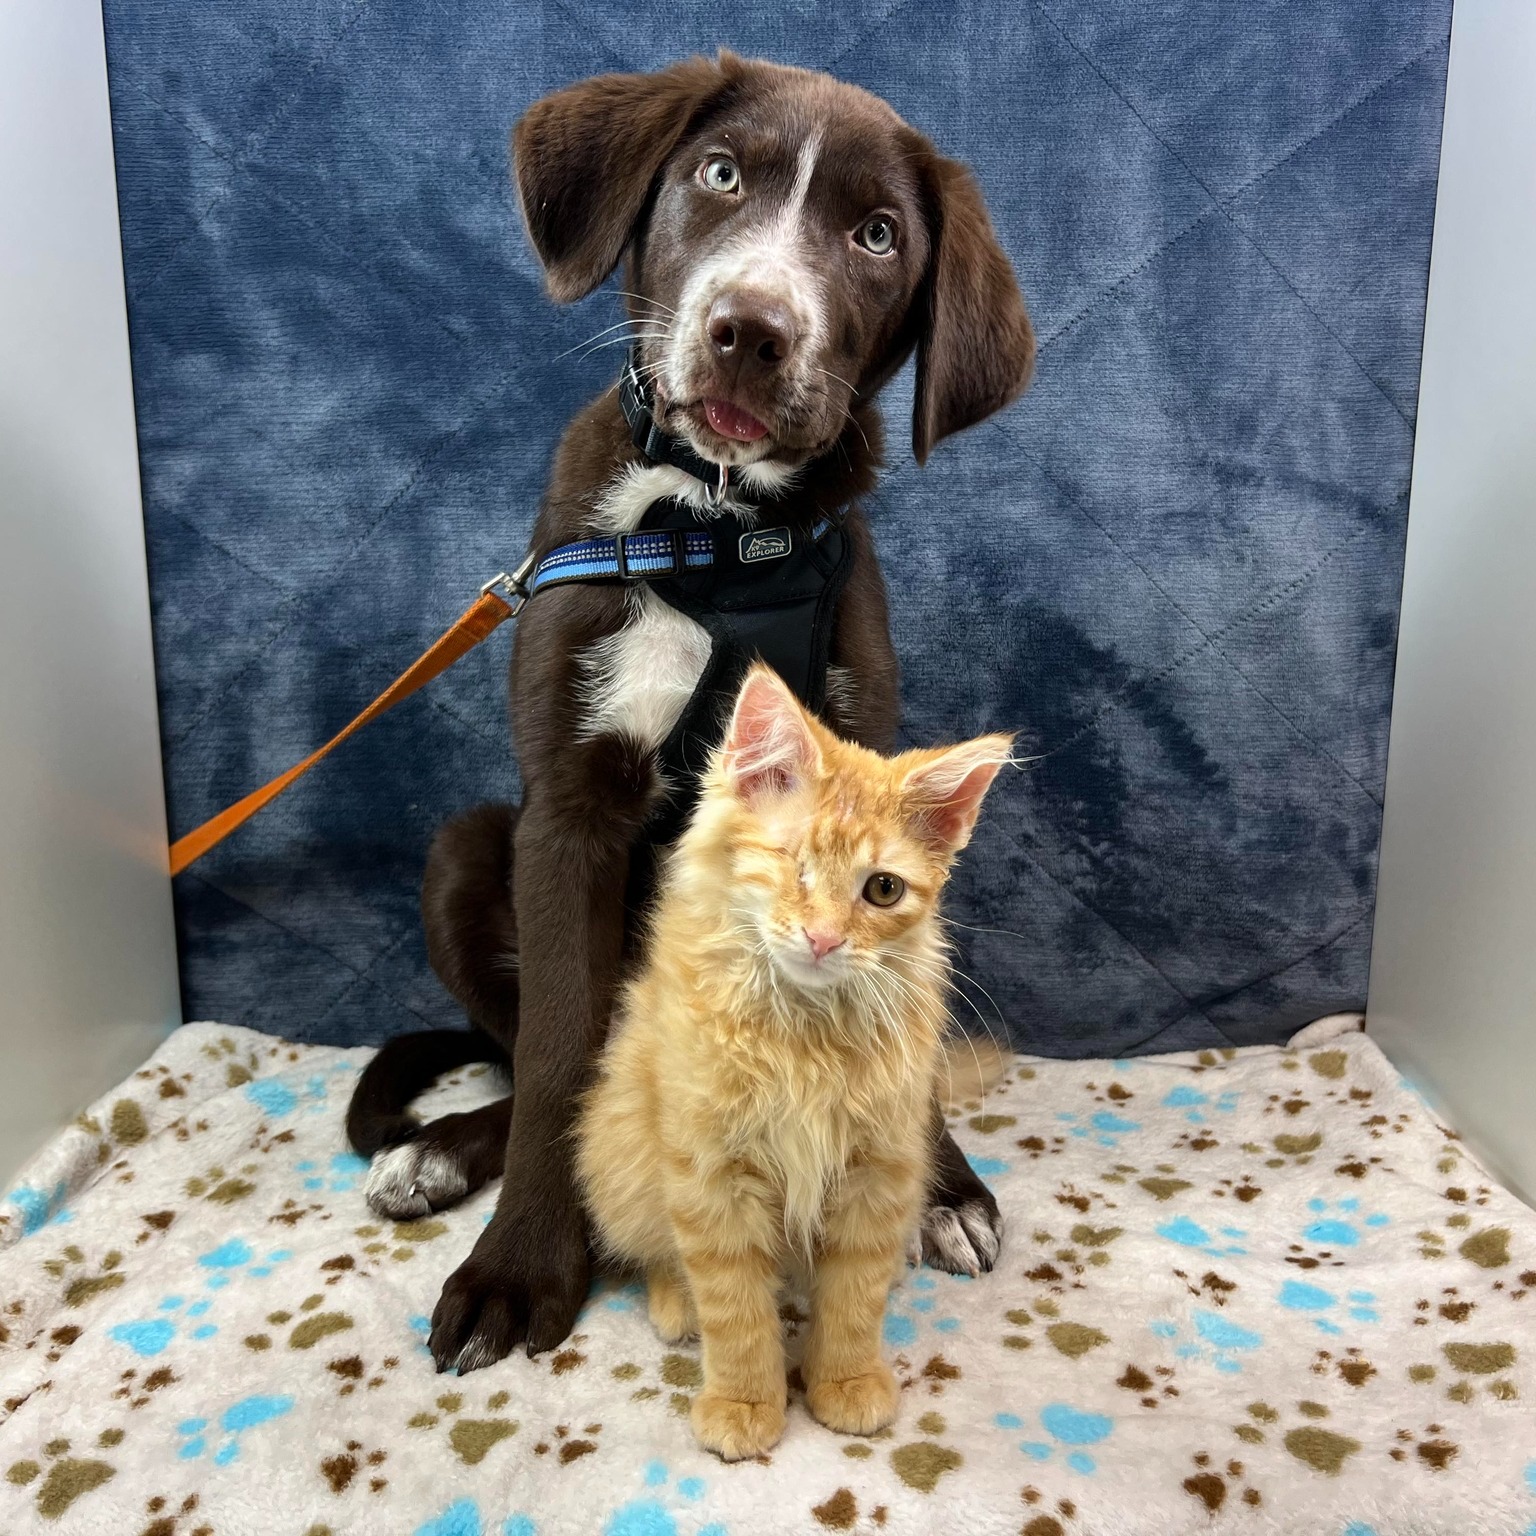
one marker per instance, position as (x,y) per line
(762,1109)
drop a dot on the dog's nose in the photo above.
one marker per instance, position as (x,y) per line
(751,329)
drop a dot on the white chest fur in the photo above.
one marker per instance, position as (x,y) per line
(638,680)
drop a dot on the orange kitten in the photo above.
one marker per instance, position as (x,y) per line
(766,1100)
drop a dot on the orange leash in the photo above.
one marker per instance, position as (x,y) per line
(489,611)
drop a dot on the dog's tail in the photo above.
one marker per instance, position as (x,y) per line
(406,1066)
(971,1067)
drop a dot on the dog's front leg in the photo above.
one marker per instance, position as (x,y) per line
(527,1276)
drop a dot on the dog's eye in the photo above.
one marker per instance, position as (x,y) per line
(884,890)
(719,174)
(877,235)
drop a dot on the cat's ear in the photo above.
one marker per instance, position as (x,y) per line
(945,793)
(770,747)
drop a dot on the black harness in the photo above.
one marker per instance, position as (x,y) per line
(764,585)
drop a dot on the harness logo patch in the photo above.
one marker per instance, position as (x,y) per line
(765,544)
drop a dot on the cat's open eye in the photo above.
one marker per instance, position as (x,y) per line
(719,174)
(884,890)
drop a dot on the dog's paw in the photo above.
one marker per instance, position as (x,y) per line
(413,1180)
(858,1405)
(504,1295)
(736,1430)
(963,1239)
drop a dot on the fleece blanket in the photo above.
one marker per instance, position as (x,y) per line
(1258,1291)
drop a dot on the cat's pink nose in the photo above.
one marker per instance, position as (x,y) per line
(822,942)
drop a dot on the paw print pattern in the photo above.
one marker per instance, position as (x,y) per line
(1198,1106)
(68,1477)
(235,1421)
(339,1177)
(233,1259)
(1217,1340)
(472,1437)
(1190,1234)
(1298,1296)
(653,1514)
(1212,1483)
(913,1305)
(1341,1230)
(1070,1430)
(1104,1126)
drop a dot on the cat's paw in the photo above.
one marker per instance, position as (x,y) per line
(736,1430)
(858,1405)
(670,1304)
(963,1239)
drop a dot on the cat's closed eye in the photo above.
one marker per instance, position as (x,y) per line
(884,889)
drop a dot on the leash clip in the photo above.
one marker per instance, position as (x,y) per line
(513,588)
(715,494)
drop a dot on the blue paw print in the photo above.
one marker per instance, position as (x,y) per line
(901,1326)
(1190,1234)
(345,1169)
(1067,1426)
(1297,1296)
(39,1209)
(1341,1230)
(614,1298)
(1196,1103)
(234,1422)
(148,1336)
(281,1095)
(1217,1339)
(462,1518)
(986,1167)
(422,1328)
(1105,1127)
(649,1516)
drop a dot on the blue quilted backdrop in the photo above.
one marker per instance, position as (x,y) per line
(1174,565)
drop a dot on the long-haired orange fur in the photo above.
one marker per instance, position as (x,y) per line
(764,1105)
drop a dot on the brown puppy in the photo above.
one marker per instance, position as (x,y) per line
(787,241)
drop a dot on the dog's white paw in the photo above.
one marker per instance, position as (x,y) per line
(414,1180)
(964,1240)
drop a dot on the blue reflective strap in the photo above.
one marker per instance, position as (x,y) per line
(631,556)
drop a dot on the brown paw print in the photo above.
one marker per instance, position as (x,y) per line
(137,1390)
(1151,1389)
(567,1446)
(352,1372)
(1057,1520)
(67,1477)
(1312,1442)
(1210,1287)
(81,1283)
(1213,1483)
(1037,1147)
(921,1463)
(1431,1449)
(222,1186)
(341,1469)
(1351,1366)
(471,1437)
(164,1521)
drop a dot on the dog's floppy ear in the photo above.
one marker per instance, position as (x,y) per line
(975,345)
(585,158)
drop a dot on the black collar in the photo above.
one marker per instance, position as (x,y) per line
(658,446)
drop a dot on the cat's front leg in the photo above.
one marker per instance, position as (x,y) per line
(848,1387)
(740,1412)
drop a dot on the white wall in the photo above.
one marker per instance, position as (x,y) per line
(1453,973)
(87,954)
